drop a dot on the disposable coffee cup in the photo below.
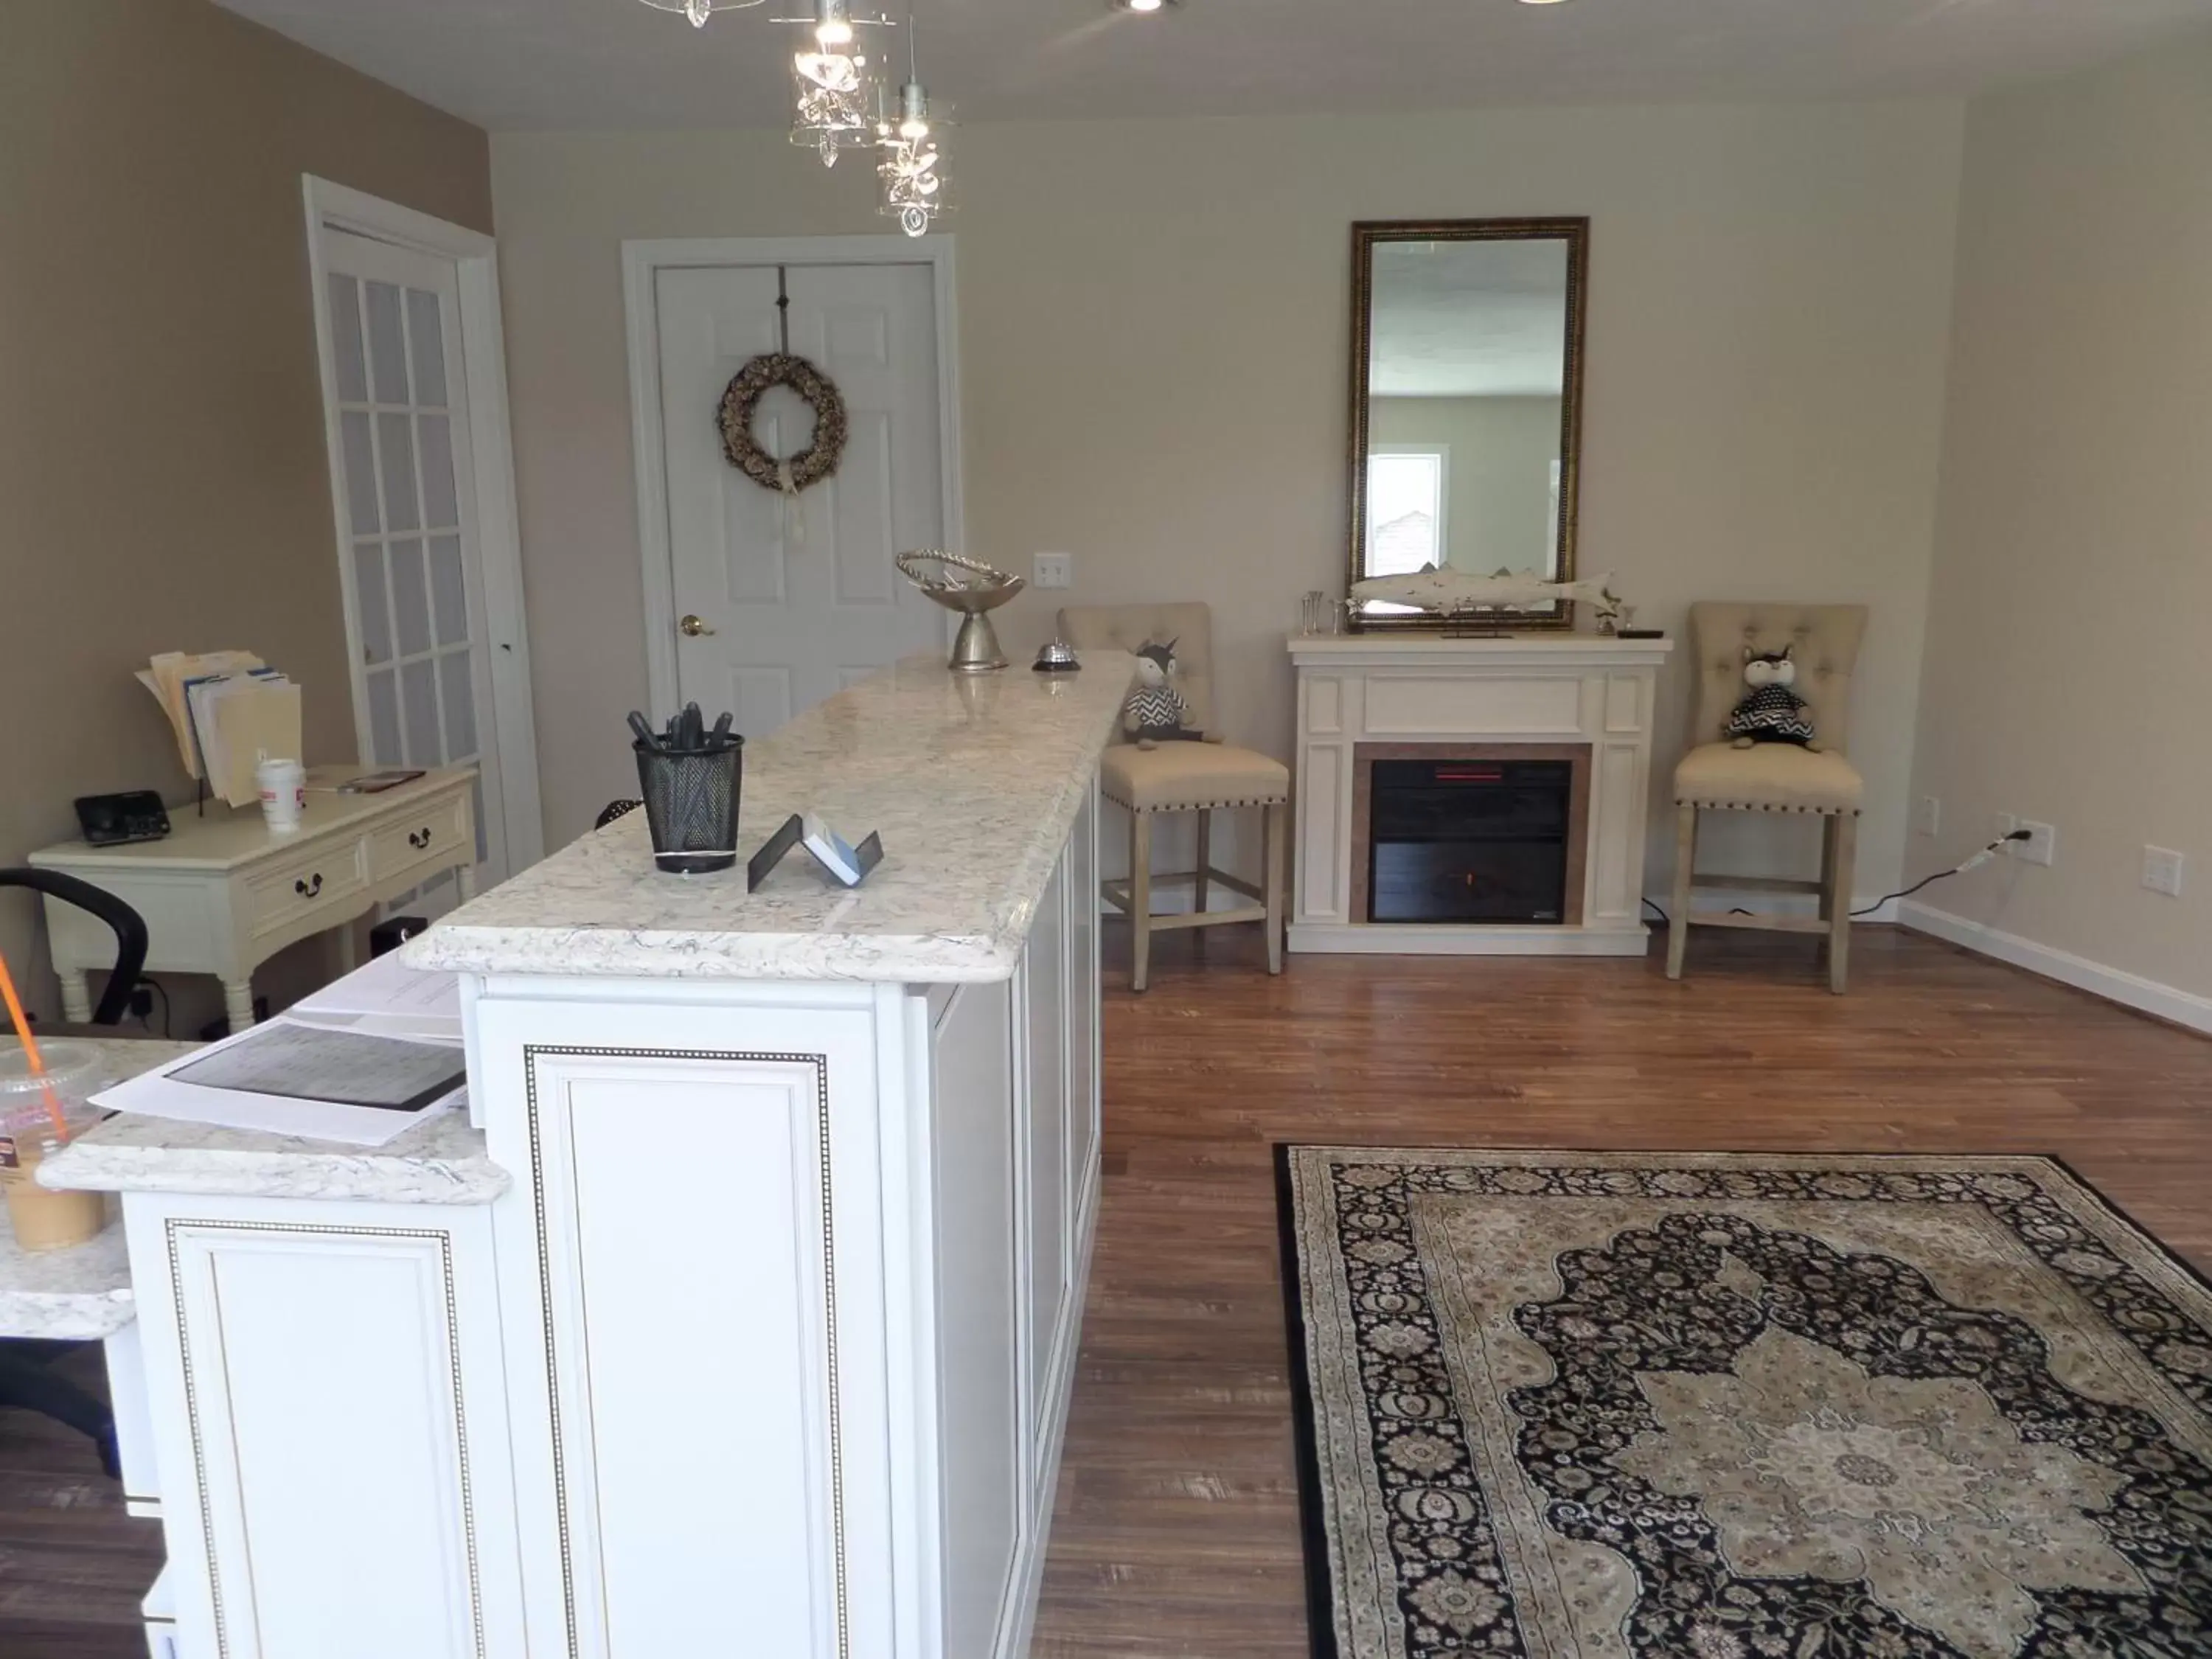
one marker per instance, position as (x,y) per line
(284,788)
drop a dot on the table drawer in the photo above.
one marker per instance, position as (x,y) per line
(295,889)
(421,837)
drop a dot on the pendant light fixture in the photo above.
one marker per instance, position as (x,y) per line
(833,88)
(699,10)
(909,134)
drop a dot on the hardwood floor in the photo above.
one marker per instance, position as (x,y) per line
(1176,1527)
(1177,1532)
(73,1565)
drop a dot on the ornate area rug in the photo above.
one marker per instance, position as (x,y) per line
(1590,1405)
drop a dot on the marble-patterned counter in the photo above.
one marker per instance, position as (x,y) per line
(974,783)
(439,1162)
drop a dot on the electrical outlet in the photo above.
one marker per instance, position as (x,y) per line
(1930,819)
(2041,846)
(2006,824)
(2161,871)
(1055,569)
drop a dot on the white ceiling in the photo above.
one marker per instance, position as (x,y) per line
(1467,319)
(536,65)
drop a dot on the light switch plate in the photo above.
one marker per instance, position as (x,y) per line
(2161,871)
(1055,569)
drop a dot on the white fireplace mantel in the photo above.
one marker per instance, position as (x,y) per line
(1366,691)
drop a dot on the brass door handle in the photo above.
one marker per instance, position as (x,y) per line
(692,626)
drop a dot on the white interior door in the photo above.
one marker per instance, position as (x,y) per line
(407,488)
(796,597)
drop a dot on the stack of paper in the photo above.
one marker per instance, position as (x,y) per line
(386,998)
(230,711)
(289,1077)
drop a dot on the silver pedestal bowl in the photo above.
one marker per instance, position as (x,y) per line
(970,587)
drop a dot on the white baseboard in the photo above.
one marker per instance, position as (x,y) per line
(2114,984)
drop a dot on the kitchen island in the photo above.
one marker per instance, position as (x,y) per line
(748,1321)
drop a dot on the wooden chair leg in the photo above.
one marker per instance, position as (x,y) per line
(1828,867)
(1199,896)
(1839,901)
(1141,898)
(1686,862)
(1277,816)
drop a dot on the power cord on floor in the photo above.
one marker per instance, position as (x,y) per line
(1981,858)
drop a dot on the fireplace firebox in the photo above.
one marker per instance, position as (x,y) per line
(1469,840)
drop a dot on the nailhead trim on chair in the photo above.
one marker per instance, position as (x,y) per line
(1757,806)
(1204,805)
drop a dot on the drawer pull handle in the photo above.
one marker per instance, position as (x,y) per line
(418,839)
(309,889)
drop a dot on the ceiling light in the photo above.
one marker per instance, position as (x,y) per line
(699,10)
(834,90)
(1539,2)
(909,134)
(1141,5)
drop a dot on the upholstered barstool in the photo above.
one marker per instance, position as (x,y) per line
(1716,776)
(1182,777)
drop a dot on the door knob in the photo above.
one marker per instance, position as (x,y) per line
(692,626)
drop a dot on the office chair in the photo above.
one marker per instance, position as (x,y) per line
(26,1379)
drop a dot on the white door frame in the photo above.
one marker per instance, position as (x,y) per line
(641,262)
(499,542)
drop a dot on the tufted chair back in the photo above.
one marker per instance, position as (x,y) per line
(1126,627)
(1826,640)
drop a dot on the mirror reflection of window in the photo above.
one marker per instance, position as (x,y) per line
(1405,510)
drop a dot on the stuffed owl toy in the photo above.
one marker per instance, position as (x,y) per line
(1156,711)
(1770,712)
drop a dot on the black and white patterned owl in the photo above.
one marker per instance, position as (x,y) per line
(1771,712)
(1156,711)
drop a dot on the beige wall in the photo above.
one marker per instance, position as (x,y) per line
(1497,476)
(2068,675)
(161,458)
(1154,331)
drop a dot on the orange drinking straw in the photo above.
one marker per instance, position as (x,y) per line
(31,1050)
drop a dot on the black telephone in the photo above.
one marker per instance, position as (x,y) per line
(112,820)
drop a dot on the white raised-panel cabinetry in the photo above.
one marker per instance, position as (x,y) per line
(789,1291)
(330,1416)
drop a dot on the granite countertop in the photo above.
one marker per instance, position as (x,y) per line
(973,780)
(441,1161)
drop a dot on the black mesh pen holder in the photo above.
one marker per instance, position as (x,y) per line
(691,806)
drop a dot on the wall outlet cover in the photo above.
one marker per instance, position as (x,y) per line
(2161,871)
(2041,846)
(1055,569)
(1928,820)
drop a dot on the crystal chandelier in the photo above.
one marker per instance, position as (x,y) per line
(834,87)
(699,10)
(909,134)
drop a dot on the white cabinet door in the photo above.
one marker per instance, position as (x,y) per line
(1044,1159)
(978,1321)
(1083,1069)
(692,1292)
(329,1406)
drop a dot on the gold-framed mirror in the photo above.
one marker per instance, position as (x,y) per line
(1467,381)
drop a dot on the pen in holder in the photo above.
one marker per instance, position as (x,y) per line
(691,780)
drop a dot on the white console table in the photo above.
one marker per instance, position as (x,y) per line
(221,894)
(747,1320)
(1369,696)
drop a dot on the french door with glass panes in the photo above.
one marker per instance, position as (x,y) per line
(407,503)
